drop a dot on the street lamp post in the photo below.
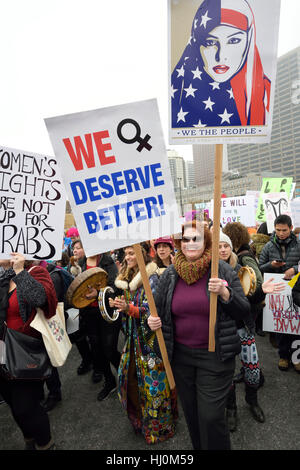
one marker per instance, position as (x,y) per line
(180,195)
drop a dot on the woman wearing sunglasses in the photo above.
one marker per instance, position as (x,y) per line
(203,378)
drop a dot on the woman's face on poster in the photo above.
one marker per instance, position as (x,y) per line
(223,52)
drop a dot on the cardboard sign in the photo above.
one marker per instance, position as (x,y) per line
(116,173)
(222,68)
(272,185)
(237,209)
(32,205)
(280,315)
(275,204)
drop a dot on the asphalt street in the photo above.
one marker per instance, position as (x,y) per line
(80,422)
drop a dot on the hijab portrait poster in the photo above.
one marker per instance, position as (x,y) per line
(222,69)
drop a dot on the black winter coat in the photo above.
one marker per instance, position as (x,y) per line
(272,251)
(228,342)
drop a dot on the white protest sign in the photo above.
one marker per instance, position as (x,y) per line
(116,173)
(280,315)
(222,69)
(275,204)
(237,209)
(295,209)
(256,195)
(32,205)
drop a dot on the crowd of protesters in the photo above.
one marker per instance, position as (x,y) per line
(179,272)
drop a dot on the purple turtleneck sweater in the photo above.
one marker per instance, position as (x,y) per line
(190,309)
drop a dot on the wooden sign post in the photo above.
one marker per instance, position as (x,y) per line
(152,306)
(215,242)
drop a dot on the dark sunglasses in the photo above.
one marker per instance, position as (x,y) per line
(193,239)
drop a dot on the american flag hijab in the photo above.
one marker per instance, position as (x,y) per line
(227,86)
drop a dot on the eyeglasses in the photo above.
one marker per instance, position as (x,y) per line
(193,239)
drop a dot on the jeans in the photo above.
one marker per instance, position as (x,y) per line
(203,383)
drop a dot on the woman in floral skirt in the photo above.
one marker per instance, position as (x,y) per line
(143,386)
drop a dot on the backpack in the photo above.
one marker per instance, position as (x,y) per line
(65,277)
(249,254)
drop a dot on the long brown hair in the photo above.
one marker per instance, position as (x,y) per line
(127,273)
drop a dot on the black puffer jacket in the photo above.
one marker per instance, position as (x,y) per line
(272,251)
(228,343)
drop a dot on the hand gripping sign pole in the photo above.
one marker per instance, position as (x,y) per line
(215,243)
(152,306)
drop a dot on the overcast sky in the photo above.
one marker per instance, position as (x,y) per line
(65,56)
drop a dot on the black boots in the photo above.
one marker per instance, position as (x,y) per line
(251,399)
(52,401)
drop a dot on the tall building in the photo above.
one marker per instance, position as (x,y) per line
(190,173)
(204,163)
(283,153)
(177,167)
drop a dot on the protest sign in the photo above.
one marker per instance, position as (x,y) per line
(280,314)
(275,204)
(295,209)
(116,173)
(237,209)
(222,64)
(272,185)
(256,195)
(32,205)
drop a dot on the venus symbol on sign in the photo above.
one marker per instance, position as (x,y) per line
(143,142)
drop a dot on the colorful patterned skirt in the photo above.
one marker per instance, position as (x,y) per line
(145,394)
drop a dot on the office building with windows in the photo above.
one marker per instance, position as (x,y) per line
(204,163)
(283,153)
(190,173)
(177,168)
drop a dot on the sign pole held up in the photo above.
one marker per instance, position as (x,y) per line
(152,306)
(215,242)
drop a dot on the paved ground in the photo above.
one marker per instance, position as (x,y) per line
(80,422)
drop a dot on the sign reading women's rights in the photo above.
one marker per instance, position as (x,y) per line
(116,173)
(237,209)
(32,205)
(222,63)
(280,314)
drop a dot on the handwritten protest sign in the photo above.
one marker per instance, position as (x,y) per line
(116,173)
(275,204)
(256,195)
(32,205)
(222,68)
(280,314)
(295,208)
(272,185)
(237,209)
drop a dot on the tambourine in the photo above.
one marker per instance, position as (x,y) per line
(107,312)
(76,293)
(247,277)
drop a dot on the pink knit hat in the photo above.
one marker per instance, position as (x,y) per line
(72,232)
(167,240)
